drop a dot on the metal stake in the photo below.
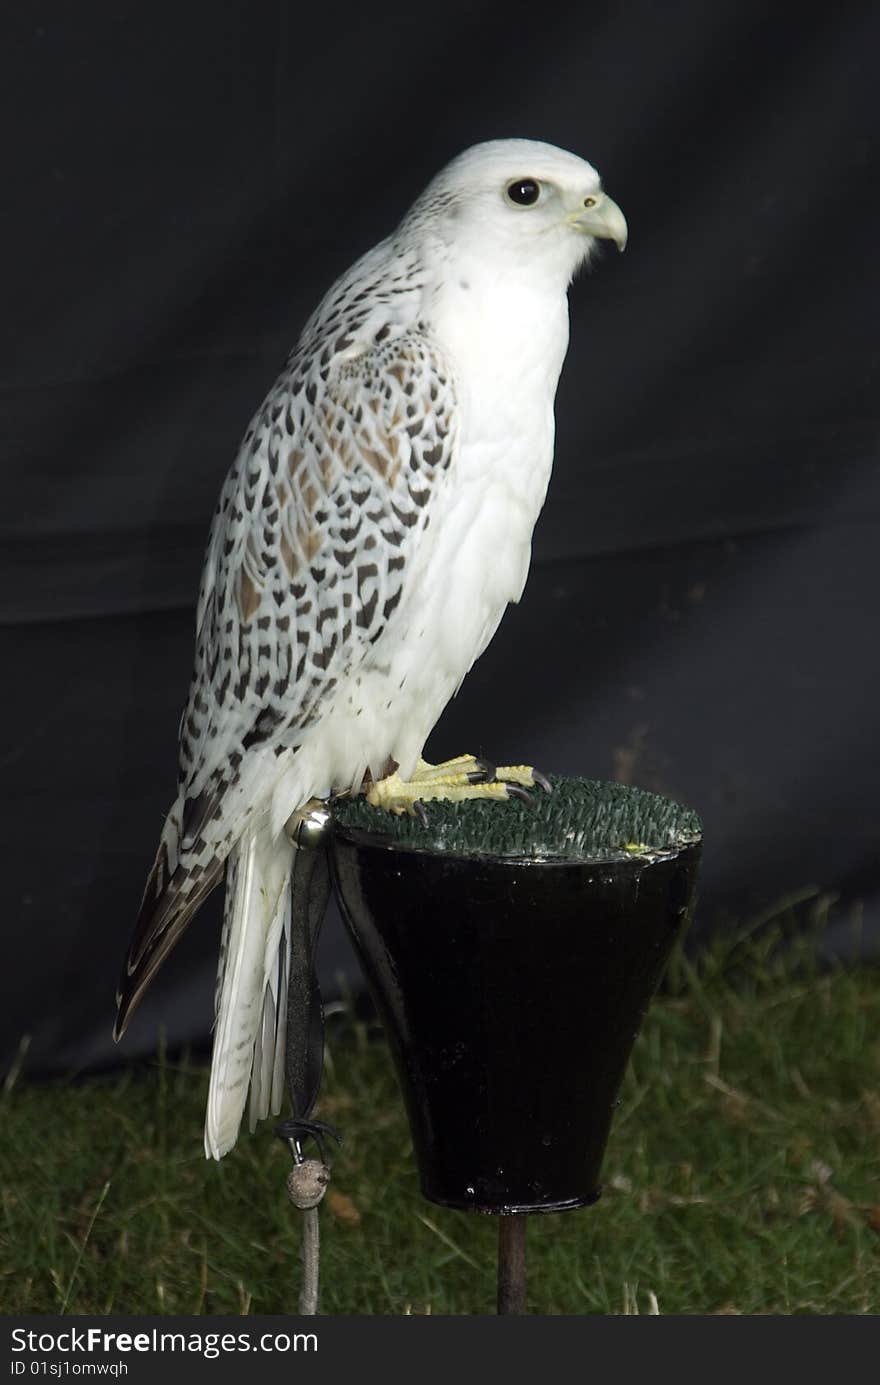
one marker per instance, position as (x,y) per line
(512,1263)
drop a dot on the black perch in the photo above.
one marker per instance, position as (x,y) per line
(512,951)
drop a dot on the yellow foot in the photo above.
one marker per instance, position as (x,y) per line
(464,777)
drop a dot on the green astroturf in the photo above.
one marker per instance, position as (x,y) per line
(582,819)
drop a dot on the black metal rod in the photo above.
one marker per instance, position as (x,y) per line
(512,1263)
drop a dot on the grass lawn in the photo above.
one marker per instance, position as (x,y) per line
(741,1177)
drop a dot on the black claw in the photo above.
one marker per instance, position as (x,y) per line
(542,781)
(483,774)
(418,808)
(516,791)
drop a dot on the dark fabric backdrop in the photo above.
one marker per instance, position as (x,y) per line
(181,185)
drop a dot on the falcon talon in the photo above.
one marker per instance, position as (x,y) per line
(542,781)
(517,791)
(484,775)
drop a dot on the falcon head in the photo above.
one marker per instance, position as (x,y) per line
(518,199)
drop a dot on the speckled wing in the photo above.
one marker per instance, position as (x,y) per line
(308,558)
(316,528)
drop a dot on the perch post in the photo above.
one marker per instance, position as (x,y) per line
(512,951)
(512,1263)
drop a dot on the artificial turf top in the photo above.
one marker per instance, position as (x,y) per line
(581,820)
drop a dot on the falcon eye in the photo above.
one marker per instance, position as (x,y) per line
(590,201)
(524,192)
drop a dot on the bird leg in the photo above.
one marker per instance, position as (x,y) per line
(466,776)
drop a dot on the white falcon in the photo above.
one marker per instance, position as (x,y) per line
(374,526)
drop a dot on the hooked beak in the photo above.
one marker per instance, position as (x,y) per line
(602,219)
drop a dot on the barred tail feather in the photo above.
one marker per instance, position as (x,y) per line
(251,1013)
(174,891)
